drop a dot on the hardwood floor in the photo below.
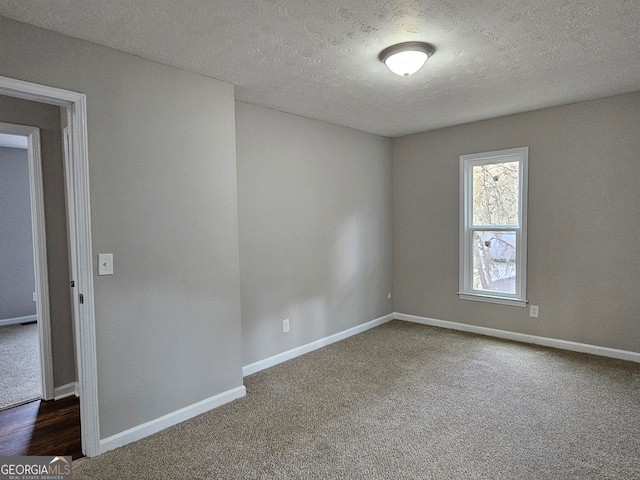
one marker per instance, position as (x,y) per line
(42,428)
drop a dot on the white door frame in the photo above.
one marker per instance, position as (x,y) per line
(38,232)
(71,243)
(77,188)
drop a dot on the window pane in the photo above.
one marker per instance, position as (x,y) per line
(495,194)
(494,261)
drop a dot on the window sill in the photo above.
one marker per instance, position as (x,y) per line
(513,302)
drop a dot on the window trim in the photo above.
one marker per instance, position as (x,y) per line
(466,291)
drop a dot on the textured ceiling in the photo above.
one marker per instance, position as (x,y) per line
(319,58)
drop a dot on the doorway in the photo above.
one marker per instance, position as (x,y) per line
(27,370)
(80,255)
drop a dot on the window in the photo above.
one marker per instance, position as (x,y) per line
(493,226)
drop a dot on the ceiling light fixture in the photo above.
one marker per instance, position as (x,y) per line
(406,58)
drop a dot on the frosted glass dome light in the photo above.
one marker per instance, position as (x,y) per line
(406,58)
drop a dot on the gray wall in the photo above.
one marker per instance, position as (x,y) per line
(315,228)
(584,221)
(47,118)
(163,200)
(17,277)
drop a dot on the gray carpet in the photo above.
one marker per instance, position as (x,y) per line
(406,401)
(20,378)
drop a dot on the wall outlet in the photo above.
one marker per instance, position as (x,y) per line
(533,311)
(35,297)
(285,325)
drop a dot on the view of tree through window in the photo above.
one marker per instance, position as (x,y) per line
(495,196)
(493,226)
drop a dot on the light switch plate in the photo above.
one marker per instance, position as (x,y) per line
(105,264)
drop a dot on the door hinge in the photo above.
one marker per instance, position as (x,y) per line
(81,298)
(73,283)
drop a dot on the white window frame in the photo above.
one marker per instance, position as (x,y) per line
(466,290)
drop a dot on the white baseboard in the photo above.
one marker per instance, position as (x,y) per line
(64,391)
(525,338)
(166,421)
(13,321)
(309,347)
